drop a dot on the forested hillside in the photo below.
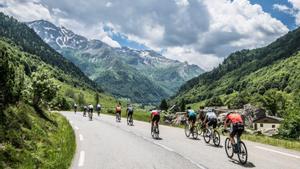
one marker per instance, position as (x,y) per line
(31,43)
(267,77)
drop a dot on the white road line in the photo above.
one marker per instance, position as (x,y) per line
(81,159)
(80,137)
(75,127)
(279,152)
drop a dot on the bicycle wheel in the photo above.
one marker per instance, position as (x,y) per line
(195,132)
(187,130)
(206,135)
(228,148)
(216,138)
(199,128)
(243,154)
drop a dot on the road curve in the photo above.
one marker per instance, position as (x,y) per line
(105,144)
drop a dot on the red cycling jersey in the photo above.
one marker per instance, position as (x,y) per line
(154,112)
(235,118)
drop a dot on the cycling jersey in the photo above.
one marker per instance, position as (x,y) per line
(235,118)
(191,113)
(118,109)
(154,113)
(130,109)
(211,116)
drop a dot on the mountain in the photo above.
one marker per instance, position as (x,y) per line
(31,43)
(268,77)
(144,76)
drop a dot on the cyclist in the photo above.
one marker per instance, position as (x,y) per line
(154,118)
(118,111)
(75,107)
(91,108)
(98,107)
(191,116)
(211,119)
(237,127)
(84,110)
(129,112)
(201,116)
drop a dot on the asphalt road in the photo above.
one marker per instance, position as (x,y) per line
(105,144)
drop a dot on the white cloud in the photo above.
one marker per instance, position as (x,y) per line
(26,10)
(295,3)
(205,61)
(294,11)
(200,32)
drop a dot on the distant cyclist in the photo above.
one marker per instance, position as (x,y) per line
(91,108)
(85,109)
(129,113)
(118,112)
(191,116)
(211,119)
(75,108)
(237,127)
(98,108)
(154,117)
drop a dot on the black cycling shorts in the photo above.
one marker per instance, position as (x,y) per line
(156,118)
(212,122)
(130,113)
(237,129)
(192,119)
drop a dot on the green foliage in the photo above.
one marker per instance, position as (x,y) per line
(182,105)
(31,142)
(43,86)
(30,42)
(12,76)
(81,100)
(215,101)
(97,98)
(163,105)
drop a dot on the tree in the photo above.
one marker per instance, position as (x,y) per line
(163,105)
(215,101)
(43,86)
(97,98)
(81,99)
(12,76)
(182,105)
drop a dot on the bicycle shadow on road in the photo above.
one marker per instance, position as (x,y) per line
(212,145)
(247,165)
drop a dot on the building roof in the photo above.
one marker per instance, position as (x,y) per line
(268,119)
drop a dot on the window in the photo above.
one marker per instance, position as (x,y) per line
(261,125)
(273,126)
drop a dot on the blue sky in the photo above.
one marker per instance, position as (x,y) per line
(267,6)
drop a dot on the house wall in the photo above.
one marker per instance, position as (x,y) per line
(266,126)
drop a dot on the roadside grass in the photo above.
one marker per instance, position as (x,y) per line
(279,142)
(30,141)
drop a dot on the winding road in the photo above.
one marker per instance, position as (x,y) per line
(105,144)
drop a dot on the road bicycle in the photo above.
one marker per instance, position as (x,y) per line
(155,131)
(130,120)
(211,134)
(190,130)
(91,115)
(118,117)
(241,151)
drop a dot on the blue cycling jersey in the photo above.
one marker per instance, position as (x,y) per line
(191,113)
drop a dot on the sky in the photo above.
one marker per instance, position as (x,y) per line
(201,32)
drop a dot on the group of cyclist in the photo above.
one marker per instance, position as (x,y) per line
(209,119)
(88,109)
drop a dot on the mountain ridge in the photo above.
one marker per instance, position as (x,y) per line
(94,57)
